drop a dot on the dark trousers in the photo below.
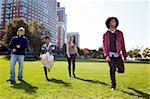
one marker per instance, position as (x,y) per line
(115,63)
(71,60)
(45,71)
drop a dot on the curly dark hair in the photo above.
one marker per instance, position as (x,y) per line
(109,20)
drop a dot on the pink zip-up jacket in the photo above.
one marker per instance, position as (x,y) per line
(120,44)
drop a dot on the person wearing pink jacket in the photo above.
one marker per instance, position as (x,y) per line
(114,47)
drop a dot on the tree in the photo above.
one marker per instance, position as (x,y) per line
(146,52)
(81,52)
(97,53)
(93,53)
(86,52)
(135,53)
(64,49)
(11,30)
(35,32)
(101,53)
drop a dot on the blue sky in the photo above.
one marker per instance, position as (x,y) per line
(88,18)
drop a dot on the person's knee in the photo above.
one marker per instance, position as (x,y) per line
(74,65)
(13,61)
(20,62)
(113,69)
(121,69)
(12,67)
(69,65)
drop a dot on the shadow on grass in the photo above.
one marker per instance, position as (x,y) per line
(25,86)
(92,81)
(139,93)
(66,84)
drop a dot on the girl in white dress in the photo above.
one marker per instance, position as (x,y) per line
(46,55)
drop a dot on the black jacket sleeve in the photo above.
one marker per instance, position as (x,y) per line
(12,43)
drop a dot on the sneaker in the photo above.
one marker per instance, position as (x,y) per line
(47,79)
(112,89)
(117,70)
(13,82)
(74,75)
(8,80)
(20,79)
(69,74)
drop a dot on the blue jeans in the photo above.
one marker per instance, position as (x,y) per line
(14,58)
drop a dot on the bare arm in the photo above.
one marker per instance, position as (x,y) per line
(67,50)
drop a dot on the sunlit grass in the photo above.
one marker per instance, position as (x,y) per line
(92,82)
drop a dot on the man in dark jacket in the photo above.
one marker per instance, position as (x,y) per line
(18,44)
(113,42)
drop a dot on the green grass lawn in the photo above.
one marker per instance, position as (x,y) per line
(93,82)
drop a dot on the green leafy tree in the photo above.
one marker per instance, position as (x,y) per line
(146,52)
(101,53)
(11,30)
(135,53)
(35,32)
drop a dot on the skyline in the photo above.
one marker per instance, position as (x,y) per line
(88,18)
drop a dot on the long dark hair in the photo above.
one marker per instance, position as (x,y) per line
(74,40)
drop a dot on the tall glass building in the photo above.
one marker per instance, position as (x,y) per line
(44,11)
